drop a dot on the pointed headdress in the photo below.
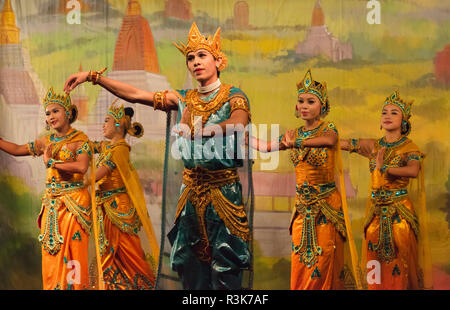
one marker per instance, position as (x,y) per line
(63,100)
(404,106)
(198,41)
(118,113)
(309,86)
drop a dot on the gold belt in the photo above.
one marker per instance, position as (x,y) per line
(201,179)
(202,188)
(387,205)
(102,196)
(310,202)
(308,194)
(383,196)
(55,188)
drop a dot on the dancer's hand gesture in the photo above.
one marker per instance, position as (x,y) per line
(74,80)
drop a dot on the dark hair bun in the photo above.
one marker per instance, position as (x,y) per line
(136,130)
(129,111)
(73,114)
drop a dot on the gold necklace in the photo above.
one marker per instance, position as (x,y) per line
(203,108)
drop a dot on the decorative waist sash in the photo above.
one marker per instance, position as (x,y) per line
(383,196)
(102,196)
(386,204)
(127,222)
(309,203)
(54,189)
(56,195)
(202,188)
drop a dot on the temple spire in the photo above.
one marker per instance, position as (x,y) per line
(133,8)
(9,33)
(318,17)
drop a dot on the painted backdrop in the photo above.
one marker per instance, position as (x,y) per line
(363,54)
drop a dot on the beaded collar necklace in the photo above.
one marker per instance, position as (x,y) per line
(307,133)
(392,144)
(54,138)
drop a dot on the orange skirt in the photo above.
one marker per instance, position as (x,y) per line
(402,272)
(325,273)
(68,268)
(123,263)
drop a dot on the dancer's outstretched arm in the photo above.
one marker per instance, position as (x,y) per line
(327,140)
(363,147)
(21,150)
(123,90)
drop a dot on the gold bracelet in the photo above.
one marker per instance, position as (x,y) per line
(354,145)
(94,76)
(159,100)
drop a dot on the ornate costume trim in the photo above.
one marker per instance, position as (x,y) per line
(127,222)
(116,279)
(239,104)
(83,215)
(102,196)
(61,188)
(51,239)
(85,149)
(204,109)
(103,242)
(32,148)
(202,188)
(414,157)
(354,146)
(314,156)
(59,191)
(389,209)
(391,157)
(399,142)
(310,204)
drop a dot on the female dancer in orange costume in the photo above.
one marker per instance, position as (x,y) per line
(122,208)
(64,219)
(395,229)
(318,224)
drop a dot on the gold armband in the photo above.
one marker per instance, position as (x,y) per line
(159,100)
(94,76)
(354,145)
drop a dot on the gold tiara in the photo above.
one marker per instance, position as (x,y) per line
(308,85)
(116,112)
(198,41)
(62,100)
(403,105)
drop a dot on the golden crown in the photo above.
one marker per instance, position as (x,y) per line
(309,86)
(116,112)
(198,41)
(62,100)
(403,105)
